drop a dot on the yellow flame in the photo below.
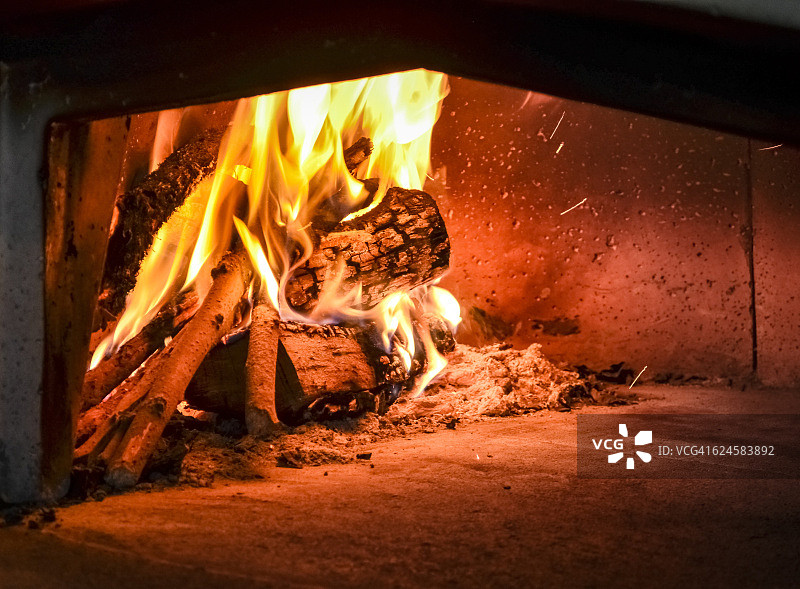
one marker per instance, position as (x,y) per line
(399,116)
(434,365)
(162,268)
(283,157)
(256,252)
(442,303)
(439,302)
(393,318)
(169,122)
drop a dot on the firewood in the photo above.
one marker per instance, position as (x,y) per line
(260,414)
(321,360)
(89,450)
(314,362)
(104,415)
(399,244)
(106,455)
(176,366)
(104,442)
(110,372)
(143,209)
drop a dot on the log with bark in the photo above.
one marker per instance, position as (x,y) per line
(400,243)
(313,362)
(260,413)
(167,378)
(112,371)
(95,423)
(143,209)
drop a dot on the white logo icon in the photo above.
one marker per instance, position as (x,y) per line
(643,438)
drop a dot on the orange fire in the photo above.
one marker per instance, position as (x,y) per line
(280,159)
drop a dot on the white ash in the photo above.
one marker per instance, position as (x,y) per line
(493,381)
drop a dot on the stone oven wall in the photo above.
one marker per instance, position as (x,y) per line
(653,269)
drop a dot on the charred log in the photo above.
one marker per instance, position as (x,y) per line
(313,362)
(399,244)
(143,209)
(357,153)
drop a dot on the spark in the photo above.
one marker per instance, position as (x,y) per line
(557,125)
(773,147)
(637,378)
(559,147)
(574,206)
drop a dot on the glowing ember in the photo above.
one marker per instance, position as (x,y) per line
(280,161)
(558,124)
(573,207)
(637,377)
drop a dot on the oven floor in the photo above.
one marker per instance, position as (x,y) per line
(435,511)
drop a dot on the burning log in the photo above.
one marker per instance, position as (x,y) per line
(400,243)
(143,209)
(357,153)
(324,360)
(111,372)
(169,188)
(260,413)
(167,378)
(313,362)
